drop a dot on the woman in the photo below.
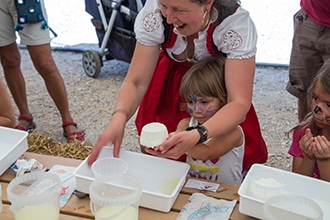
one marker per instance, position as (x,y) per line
(197,30)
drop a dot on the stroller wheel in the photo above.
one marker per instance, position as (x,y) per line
(92,63)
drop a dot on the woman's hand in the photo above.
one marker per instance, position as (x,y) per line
(176,145)
(112,134)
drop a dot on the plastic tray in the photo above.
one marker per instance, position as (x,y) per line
(13,143)
(161,179)
(315,189)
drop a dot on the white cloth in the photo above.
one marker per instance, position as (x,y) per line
(227,168)
(236,36)
(200,206)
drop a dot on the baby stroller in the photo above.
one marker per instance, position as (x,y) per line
(114,25)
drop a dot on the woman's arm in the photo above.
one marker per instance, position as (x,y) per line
(7,116)
(217,146)
(129,97)
(239,77)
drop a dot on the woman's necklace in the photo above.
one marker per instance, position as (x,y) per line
(189,59)
(192,58)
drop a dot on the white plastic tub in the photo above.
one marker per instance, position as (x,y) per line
(13,143)
(161,179)
(317,190)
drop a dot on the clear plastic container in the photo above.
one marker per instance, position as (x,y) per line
(266,184)
(108,166)
(35,196)
(292,206)
(115,197)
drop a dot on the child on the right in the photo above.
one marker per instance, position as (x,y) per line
(310,146)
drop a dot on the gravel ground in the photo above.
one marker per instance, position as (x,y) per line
(91,101)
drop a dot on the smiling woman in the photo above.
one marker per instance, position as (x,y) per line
(194,34)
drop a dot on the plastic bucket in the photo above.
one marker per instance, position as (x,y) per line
(35,196)
(109,166)
(292,206)
(115,197)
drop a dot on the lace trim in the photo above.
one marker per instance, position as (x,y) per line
(232,39)
(150,22)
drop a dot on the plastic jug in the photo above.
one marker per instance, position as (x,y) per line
(115,197)
(35,196)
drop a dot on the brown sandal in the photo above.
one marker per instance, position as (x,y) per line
(30,127)
(78,135)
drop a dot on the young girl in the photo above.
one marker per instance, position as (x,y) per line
(310,146)
(219,158)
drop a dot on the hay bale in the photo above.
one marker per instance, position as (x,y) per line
(46,144)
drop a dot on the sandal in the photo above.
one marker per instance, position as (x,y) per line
(79,135)
(30,127)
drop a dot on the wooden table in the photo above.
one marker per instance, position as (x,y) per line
(79,208)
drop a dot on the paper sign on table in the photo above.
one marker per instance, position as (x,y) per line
(65,173)
(202,185)
(200,206)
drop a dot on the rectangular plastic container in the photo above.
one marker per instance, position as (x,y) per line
(317,190)
(161,179)
(13,143)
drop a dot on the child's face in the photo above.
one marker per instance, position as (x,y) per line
(203,107)
(321,107)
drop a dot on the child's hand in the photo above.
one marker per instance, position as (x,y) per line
(322,147)
(307,144)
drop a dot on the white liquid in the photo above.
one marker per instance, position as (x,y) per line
(38,212)
(269,182)
(129,213)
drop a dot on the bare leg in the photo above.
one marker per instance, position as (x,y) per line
(44,63)
(11,60)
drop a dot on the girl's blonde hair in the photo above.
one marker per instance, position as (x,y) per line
(205,78)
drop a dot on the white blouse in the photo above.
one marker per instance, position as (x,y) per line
(236,36)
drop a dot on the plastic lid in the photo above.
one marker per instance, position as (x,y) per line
(120,189)
(34,188)
(292,206)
